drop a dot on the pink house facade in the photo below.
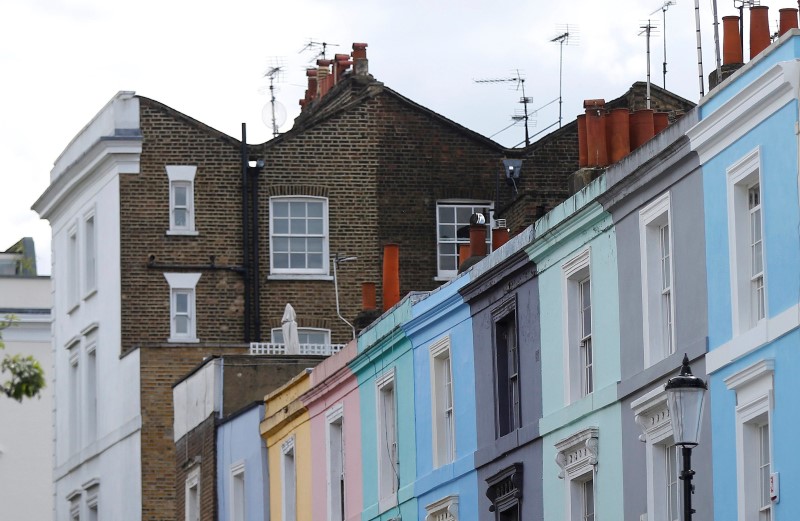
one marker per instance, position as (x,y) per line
(333,406)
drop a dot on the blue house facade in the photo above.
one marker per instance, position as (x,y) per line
(242,479)
(440,332)
(747,144)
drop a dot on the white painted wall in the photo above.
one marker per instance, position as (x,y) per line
(197,397)
(86,179)
(26,429)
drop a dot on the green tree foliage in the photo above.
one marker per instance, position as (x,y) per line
(26,375)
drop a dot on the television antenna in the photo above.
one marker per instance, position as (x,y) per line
(520,85)
(648,29)
(277,116)
(319,49)
(740,5)
(663,10)
(566,36)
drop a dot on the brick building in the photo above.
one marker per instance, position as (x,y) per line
(173,241)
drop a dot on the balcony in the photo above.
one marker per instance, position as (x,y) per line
(271,348)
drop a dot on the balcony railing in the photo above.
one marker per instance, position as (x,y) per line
(270,348)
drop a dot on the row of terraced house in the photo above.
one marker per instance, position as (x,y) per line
(441,369)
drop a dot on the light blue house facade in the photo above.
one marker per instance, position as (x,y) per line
(440,332)
(575,256)
(384,367)
(747,142)
(242,467)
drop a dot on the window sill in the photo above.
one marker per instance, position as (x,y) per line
(72,307)
(299,276)
(385,503)
(439,278)
(89,294)
(189,233)
(183,340)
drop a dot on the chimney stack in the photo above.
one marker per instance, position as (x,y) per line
(731,41)
(477,235)
(391,275)
(788,19)
(500,234)
(341,64)
(618,134)
(759,29)
(360,62)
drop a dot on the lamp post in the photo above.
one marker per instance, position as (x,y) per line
(685,397)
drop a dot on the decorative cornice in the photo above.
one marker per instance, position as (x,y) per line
(577,452)
(505,487)
(748,374)
(448,504)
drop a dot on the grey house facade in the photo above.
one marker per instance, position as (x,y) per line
(504,304)
(656,201)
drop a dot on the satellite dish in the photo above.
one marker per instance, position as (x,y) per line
(274,115)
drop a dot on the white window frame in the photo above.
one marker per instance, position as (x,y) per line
(658,298)
(577,458)
(754,387)
(89,253)
(74,500)
(445,509)
(90,395)
(182,283)
(192,498)
(387,440)
(475,205)
(324,270)
(73,271)
(652,416)
(181,176)
(575,273)
(74,422)
(288,480)
(238,494)
(742,175)
(443,433)
(275,331)
(335,445)
(92,489)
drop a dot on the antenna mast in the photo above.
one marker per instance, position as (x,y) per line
(275,74)
(663,10)
(520,81)
(320,48)
(647,31)
(564,38)
(699,47)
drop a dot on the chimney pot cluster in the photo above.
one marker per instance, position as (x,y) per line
(330,72)
(606,136)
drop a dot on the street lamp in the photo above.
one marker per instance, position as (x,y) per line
(685,396)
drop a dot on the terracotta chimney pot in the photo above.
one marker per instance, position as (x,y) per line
(391,275)
(360,62)
(597,151)
(660,121)
(642,127)
(583,154)
(788,19)
(500,235)
(477,240)
(759,29)
(731,41)
(463,253)
(368,301)
(618,135)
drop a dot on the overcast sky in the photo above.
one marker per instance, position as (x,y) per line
(62,60)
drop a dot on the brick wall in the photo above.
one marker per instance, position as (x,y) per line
(197,449)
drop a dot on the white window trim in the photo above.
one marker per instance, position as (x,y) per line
(327,333)
(448,505)
(652,416)
(192,481)
(576,457)
(89,286)
(181,174)
(445,275)
(287,448)
(333,415)
(90,421)
(73,268)
(754,387)
(236,470)
(574,271)
(385,501)
(742,173)
(302,272)
(185,282)
(652,323)
(75,396)
(439,350)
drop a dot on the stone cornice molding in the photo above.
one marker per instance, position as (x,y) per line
(578,453)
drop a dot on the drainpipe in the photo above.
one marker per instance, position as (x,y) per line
(245,238)
(256,275)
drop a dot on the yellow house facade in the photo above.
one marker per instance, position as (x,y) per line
(287,432)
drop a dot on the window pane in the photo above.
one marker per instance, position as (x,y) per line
(447,232)
(297,261)
(297,244)
(180,217)
(280,244)
(180,195)
(182,325)
(181,303)
(298,226)
(280,209)
(315,227)
(280,260)
(280,225)
(314,245)
(315,210)
(447,214)
(297,209)
(463,213)
(314,261)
